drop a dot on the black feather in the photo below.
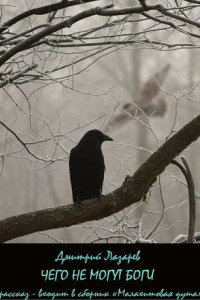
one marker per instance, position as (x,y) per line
(86,164)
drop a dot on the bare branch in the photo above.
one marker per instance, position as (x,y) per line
(42,11)
(143,3)
(182,238)
(24,144)
(49,30)
(192,204)
(18,75)
(132,190)
(191,193)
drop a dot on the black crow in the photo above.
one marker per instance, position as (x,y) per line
(86,165)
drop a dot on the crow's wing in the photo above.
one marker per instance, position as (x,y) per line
(73,174)
(86,172)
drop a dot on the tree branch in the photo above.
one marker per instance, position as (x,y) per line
(191,195)
(42,11)
(25,144)
(132,190)
(143,3)
(165,12)
(18,75)
(32,41)
(49,30)
(101,11)
(192,204)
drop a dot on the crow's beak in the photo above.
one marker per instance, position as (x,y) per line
(107,138)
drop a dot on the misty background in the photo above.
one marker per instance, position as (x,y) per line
(55,111)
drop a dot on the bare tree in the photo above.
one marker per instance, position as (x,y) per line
(51,48)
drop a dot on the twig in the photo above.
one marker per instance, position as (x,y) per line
(182,238)
(18,75)
(24,33)
(181,11)
(24,144)
(42,11)
(143,3)
(162,212)
(174,162)
(191,193)
(51,29)
(192,204)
